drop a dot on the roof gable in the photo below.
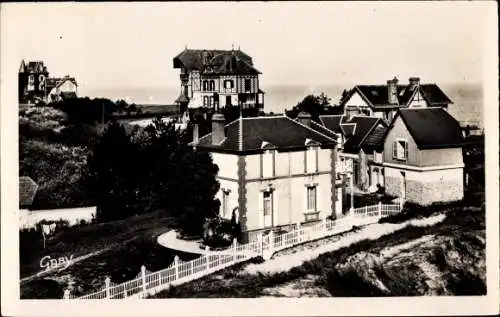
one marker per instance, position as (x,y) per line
(376,96)
(364,126)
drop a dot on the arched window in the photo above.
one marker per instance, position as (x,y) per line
(212,85)
(205,101)
(205,85)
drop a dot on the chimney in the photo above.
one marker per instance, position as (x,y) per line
(414,81)
(217,128)
(304,118)
(392,90)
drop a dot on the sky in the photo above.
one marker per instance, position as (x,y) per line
(294,43)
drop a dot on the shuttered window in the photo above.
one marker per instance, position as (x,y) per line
(312,160)
(400,150)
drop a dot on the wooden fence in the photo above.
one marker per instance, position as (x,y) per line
(147,283)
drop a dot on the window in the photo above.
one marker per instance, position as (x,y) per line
(268,203)
(248,85)
(205,101)
(228,84)
(205,85)
(311,198)
(211,101)
(212,85)
(400,150)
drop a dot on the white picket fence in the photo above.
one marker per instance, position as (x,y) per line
(148,283)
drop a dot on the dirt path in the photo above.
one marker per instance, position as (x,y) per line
(371,232)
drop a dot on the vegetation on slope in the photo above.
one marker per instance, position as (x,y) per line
(447,258)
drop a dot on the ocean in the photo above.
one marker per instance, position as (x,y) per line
(468,99)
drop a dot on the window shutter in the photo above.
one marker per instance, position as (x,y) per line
(406,149)
(394,149)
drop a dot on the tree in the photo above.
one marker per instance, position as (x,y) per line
(112,177)
(312,104)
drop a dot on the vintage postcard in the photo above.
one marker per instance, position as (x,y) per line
(249,158)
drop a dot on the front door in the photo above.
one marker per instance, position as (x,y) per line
(268,209)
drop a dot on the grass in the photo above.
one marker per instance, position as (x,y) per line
(400,279)
(127,245)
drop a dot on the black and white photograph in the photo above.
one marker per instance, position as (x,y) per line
(343,152)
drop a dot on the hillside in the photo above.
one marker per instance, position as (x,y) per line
(53,154)
(445,257)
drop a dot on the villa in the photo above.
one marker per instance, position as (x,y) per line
(276,170)
(216,79)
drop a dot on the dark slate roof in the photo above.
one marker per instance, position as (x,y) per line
(347,129)
(375,139)
(68,95)
(27,191)
(321,129)
(364,125)
(219,61)
(35,67)
(434,95)
(280,131)
(61,81)
(432,128)
(377,95)
(332,122)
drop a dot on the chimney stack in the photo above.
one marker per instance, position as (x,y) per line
(414,81)
(304,118)
(392,90)
(218,128)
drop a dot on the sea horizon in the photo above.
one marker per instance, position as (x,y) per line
(467,98)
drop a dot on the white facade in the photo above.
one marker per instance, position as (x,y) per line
(278,188)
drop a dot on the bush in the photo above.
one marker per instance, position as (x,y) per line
(218,232)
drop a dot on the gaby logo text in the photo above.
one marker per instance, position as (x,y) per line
(48,263)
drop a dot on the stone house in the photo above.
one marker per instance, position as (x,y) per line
(422,158)
(276,170)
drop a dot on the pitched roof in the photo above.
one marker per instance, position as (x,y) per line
(216,61)
(61,81)
(321,129)
(35,67)
(364,126)
(27,191)
(68,95)
(332,122)
(279,131)
(374,141)
(432,128)
(181,98)
(377,95)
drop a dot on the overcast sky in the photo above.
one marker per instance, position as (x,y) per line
(133,44)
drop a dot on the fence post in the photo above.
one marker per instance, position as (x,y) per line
(107,283)
(207,248)
(299,239)
(324,226)
(271,242)
(260,243)
(143,277)
(66,294)
(380,209)
(235,257)
(176,265)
